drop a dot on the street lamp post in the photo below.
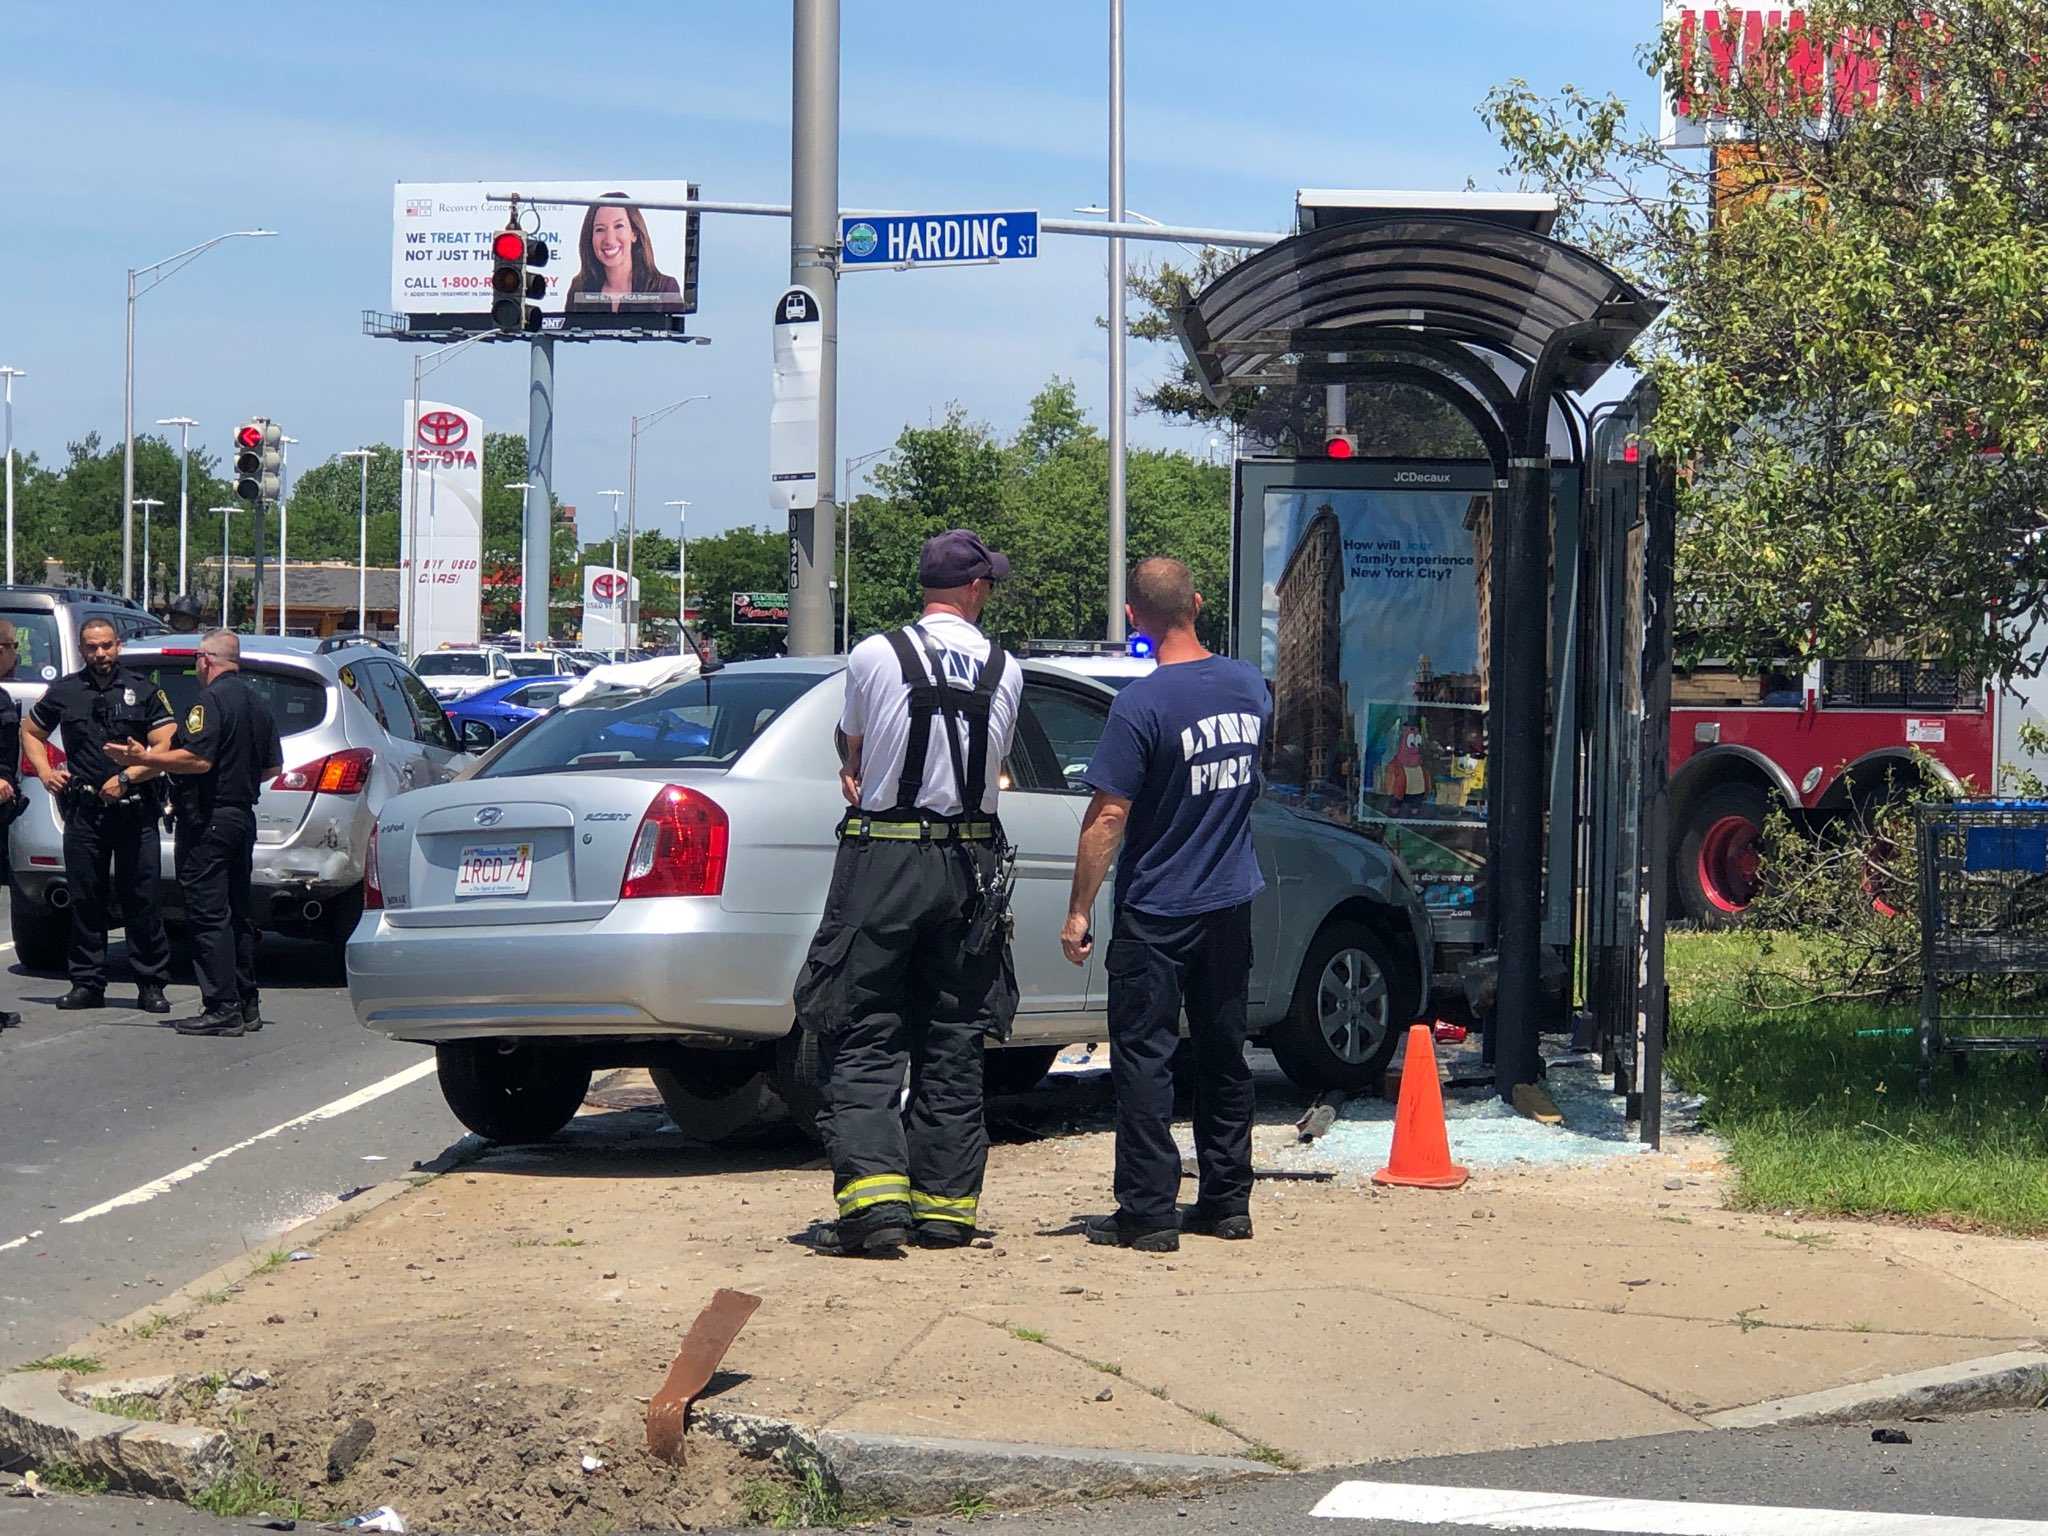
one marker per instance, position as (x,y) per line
(619,630)
(158,274)
(1117,442)
(363,456)
(640,424)
(147,503)
(7,378)
(284,472)
(846,578)
(682,571)
(522,487)
(226,519)
(184,424)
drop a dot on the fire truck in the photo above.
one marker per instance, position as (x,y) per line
(1820,742)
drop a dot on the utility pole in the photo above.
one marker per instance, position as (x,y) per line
(226,550)
(184,424)
(814,264)
(537,522)
(682,570)
(148,504)
(522,486)
(7,378)
(1117,445)
(362,456)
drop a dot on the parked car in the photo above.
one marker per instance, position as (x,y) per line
(634,880)
(539,664)
(357,728)
(503,707)
(459,671)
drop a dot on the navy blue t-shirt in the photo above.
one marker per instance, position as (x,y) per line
(1182,745)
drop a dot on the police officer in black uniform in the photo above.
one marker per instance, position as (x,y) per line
(224,750)
(11,803)
(910,966)
(183,614)
(111,813)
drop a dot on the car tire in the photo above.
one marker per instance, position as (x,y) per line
(1016,1068)
(797,1084)
(42,934)
(1350,1002)
(715,1096)
(509,1090)
(1714,870)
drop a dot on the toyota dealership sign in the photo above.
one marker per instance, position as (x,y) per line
(441,526)
(609,601)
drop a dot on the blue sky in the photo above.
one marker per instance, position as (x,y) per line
(165,126)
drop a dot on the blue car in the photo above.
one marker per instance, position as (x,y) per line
(504,707)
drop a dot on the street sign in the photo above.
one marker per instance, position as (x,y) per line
(793,417)
(937,239)
(760,608)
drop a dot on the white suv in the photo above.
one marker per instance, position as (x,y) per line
(453,673)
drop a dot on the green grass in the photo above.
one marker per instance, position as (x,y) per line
(1028,1335)
(969,1506)
(1107,1367)
(245,1491)
(152,1325)
(1273,1456)
(1819,1120)
(809,1503)
(273,1261)
(69,1477)
(77,1365)
(129,1407)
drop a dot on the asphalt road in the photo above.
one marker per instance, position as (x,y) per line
(133,1159)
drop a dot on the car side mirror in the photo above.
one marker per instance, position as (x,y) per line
(502,673)
(477,737)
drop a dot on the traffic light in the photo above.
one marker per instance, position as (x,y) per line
(259,460)
(1343,444)
(514,254)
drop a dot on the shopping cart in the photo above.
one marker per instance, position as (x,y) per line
(1984,930)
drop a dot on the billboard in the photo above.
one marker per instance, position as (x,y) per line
(1370,631)
(609,601)
(441,525)
(760,608)
(612,268)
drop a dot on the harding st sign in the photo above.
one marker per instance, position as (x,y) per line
(937,239)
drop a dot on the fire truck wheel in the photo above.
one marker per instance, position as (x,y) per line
(1716,874)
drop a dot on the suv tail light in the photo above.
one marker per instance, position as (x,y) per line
(373,879)
(338,773)
(680,849)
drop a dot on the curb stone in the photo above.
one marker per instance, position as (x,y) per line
(2015,1380)
(40,1426)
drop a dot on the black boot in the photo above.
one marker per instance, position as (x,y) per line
(252,1015)
(942,1234)
(1234,1226)
(149,997)
(880,1231)
(81,997)
(1113,1230)
(227,1025)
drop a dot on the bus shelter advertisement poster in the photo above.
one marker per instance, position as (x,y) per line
(1371,636)
(611,267)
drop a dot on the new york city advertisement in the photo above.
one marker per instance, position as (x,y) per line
(608,267)
(440,524)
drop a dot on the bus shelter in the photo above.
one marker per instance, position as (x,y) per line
(1456,641)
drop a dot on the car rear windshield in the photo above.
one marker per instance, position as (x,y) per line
(533,666)
(38,646)
(455,664)
(297,702)
(704,723)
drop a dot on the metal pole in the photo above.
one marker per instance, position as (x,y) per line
(814,263)
(184,494)
(128,451)
(7,378)
(284,471)
(682,570)
(1117,403)
(522,487)
(618,630)
(409,599)
(632,513)
(363,550)
(537,525)
(226,553)
(145,552)
(846,564)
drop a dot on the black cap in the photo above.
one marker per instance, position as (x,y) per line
(956,557)
(185,604)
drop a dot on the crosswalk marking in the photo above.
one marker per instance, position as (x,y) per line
(1504,1509)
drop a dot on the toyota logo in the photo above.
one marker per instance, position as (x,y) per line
(608,587)
(442,429)
(490,816)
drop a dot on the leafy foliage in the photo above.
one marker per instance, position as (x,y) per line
(1852,363)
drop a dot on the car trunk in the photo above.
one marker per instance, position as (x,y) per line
(575,831)
(298,701)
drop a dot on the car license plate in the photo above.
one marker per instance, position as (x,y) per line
(495,869)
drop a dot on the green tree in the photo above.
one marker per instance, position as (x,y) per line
(1852,366)
(72,513)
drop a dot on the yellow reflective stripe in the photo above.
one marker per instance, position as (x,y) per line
(877,1189)
(960,1208)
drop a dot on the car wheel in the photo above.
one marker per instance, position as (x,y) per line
(1017,1068)
(797,1081)
(42,934)
(508,1090)
(716,1095)
(1717,863)
(1350,1002)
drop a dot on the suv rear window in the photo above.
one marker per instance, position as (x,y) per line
(707,722)
(451,664)
(533,666)
(297,702)
(40,645)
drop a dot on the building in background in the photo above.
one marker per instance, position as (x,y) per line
(1308,694)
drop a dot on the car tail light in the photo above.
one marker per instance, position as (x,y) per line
(680,849)
(338,773)
(373,881)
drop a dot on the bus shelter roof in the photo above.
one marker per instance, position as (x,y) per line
(1462,279)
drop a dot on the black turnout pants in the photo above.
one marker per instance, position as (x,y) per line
(889,986)
(112,856)
(1156,966)
(214,853)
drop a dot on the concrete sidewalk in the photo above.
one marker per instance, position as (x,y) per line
(509,1317)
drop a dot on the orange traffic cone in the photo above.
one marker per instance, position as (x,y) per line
(1421,1155)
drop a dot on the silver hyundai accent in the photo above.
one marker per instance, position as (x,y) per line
(633,880)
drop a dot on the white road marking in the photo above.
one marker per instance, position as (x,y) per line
(1501,1509)
(142,1193)
(20,1241)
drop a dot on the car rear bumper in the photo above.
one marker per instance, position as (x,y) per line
(678,968)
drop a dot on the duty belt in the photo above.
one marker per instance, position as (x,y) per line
(863,828)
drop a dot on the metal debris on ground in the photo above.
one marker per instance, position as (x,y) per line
(1321,1115)
(1190,1170)
(300,1255)
(704,1346)
(383,1518)
(592,1464)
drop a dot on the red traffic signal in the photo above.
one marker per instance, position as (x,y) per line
(514,254)
(510,245)
(249,436)
(1340,446)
